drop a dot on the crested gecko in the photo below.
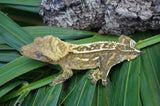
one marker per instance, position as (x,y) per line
(101,55)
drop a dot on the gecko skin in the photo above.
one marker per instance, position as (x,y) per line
(100,55)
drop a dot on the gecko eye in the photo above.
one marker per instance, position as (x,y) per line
(38,54)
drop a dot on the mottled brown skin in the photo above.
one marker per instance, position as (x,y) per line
(100,55)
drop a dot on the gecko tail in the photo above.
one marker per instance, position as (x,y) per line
(141,52)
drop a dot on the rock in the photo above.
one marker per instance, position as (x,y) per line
(107,16)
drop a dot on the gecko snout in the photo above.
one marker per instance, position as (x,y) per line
(21,50)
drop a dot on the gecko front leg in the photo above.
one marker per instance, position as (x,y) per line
(67,73)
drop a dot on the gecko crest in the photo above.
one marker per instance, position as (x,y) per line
(49,47)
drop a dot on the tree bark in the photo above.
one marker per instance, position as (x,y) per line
(107,16)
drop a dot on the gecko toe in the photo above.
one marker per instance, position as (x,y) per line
(52,84)
(92,71)
(104,82)
(89,76)
(94,81)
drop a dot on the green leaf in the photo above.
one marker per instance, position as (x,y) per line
(18,67)
(125,83)
(38,98)
(50,96)
(82,94)
(147,42)
(27,86)
(8,87)
(62,33)
(2,42)
(22,2)
(100,95)
(5,47)
(150,81)
(21,97)
(7,56)
(34,9)
(2,64)
(12,33)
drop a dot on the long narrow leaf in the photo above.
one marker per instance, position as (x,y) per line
(150,81)
(7,56)
(12,33)
(100,95)
(21,97)
(18,67)
(5,89)
(33,9)
(5,47)
(147,42)
(82,94)
(126,82)
(22,2)
(62,33)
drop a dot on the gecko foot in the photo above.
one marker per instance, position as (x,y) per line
(94,81)
(89,77)
(62,77)
(52,84)
(95,75)
(92,71)
(104,82)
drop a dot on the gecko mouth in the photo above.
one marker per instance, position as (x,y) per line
(21,51)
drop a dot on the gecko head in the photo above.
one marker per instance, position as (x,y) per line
(47,49)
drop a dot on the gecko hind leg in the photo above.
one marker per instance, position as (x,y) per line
(62,77)
(100,73)
(127,40)
(104,69)
(104,77)
(95,76)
